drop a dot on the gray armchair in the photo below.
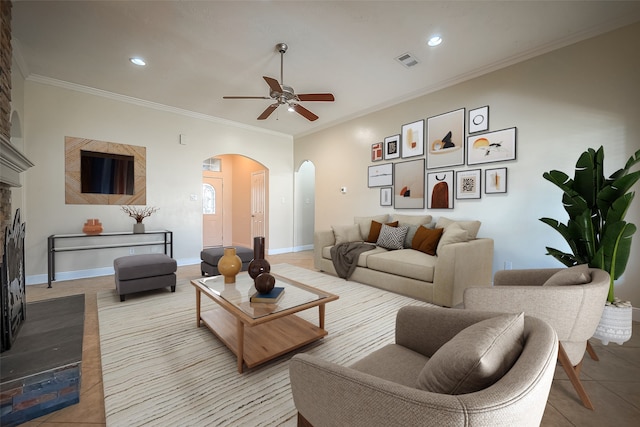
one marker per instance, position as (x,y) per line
(571,300)
(383,388)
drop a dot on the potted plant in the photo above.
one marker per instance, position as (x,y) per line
(596,230)
(138,213)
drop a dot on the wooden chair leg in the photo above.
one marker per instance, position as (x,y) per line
(592,352)
(573,373)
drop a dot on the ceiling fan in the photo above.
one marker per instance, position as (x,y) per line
(285,95)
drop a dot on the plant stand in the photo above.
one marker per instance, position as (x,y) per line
(615,325)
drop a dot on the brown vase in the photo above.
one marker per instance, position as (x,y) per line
(229,265)
(92,227)
(258,264)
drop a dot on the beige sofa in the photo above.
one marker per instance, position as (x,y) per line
(462,260)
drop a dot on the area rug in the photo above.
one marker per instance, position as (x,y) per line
(160,369)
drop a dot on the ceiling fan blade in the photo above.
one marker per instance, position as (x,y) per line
(304,112)
(245,97)
(316,97)
(273,84)
(266,113)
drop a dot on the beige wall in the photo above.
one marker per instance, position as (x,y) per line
(174,172)
(581,96)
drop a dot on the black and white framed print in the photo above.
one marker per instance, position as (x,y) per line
(413,139)
(386,196)
(380,175)
(392,147)
(376,152)
(495,180)
(468,184)
(445,139)
(478,119)
(408,182)
(497,146)
(440,186)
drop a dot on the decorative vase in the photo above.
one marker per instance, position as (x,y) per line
(615,324)
(229,265)
(258,264)
(92,227)
(138,228)
(264,283)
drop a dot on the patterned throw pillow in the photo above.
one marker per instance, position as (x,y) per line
(392,237)
(374,231)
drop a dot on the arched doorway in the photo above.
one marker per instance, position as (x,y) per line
(234,200)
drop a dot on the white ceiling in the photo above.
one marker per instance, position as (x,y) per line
(198,51)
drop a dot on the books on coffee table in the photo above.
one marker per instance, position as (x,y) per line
(271,297)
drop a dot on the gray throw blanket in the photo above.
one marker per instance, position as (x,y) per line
(345,257)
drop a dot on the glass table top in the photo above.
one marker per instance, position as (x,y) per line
(239,294)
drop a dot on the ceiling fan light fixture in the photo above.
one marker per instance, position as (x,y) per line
(434,41)
(138,61)
(291,108)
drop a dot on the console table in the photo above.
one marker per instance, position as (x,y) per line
(127,240)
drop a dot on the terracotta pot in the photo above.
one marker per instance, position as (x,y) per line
(258,264)
(229,265)
(92,227)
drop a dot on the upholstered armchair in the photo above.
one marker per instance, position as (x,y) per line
(446,367)
(571,300)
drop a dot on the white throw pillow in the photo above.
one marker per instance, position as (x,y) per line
(471,227)
(346,233)
(453,233)
(392,237)
(411,219)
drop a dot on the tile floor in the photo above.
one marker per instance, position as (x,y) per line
(613,383)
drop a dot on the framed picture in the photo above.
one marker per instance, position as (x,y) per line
(498,146)
(376,152)
(392,147)
(413,139)
(381,175)
(495,180)
(386,195)
(468,184)
(440,190)
(408,183)
(478,119)
(445,139)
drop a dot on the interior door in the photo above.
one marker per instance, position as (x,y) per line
(258,189)
(212,209)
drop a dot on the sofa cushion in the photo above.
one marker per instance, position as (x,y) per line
(392,237)
(364,222)
(453,233)
(411,219)
(576,275)
(426,240)
(476,357)
(405,262)
(362,259)
(374,231)
(471,227)
(346,233)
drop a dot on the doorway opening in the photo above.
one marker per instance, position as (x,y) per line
(304,208)
(234,201)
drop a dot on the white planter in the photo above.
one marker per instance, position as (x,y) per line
(615,325)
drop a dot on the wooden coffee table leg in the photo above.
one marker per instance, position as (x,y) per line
(240,332)
(198,292)
(321,312)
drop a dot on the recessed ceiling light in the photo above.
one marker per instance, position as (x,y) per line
(434,41)
(138,61)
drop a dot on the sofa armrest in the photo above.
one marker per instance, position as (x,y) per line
(321,239)
(459,266)
(526,277)
(327,394)
(426,329)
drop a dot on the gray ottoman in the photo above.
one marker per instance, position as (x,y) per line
(211,256)
(136,273)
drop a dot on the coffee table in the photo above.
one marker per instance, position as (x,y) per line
(259,332)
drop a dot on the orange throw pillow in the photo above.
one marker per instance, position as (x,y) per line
(426,239)
(374,231)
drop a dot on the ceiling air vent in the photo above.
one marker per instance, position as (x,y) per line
(407,59)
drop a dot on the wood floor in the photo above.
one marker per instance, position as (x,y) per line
(613,383)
